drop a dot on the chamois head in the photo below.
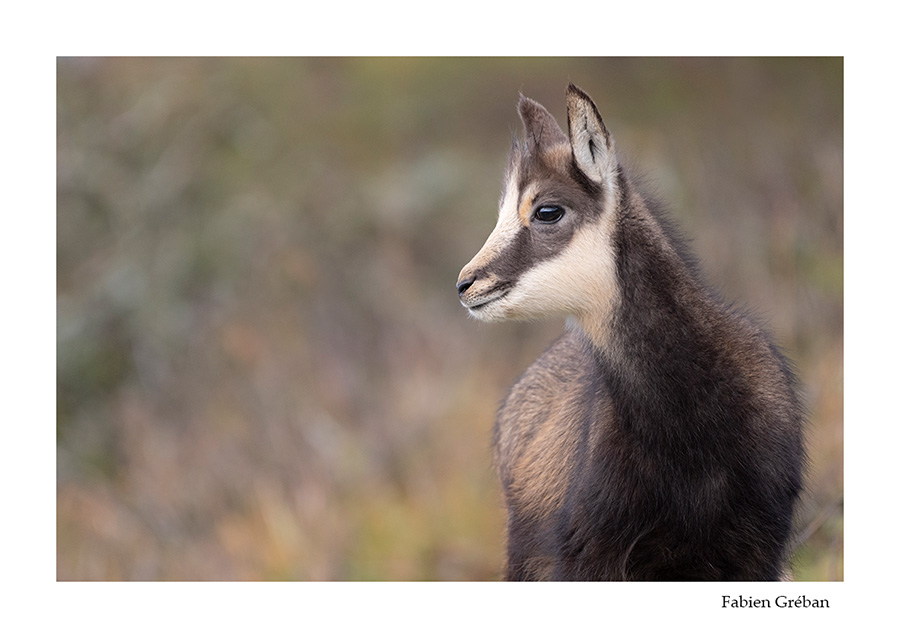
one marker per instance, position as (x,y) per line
(551,251)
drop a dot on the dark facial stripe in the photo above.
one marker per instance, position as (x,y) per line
(530,246)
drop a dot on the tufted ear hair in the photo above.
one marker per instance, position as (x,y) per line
(592,144)
(541,129)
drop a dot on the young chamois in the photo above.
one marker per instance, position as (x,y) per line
(660,437)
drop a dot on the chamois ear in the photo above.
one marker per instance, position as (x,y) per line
(592,144)
(540,128)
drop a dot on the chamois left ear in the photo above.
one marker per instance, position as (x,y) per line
(541,129)
(592,144)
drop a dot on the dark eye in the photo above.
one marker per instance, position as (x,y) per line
(548,214)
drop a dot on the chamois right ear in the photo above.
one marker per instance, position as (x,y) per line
(592,145)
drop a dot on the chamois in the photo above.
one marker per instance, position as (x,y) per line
(660,438)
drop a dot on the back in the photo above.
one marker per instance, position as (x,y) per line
(591,497)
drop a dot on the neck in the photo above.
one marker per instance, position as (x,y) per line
(661,343)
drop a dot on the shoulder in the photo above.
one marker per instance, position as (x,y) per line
(563,363)
(559,403)
(555,383)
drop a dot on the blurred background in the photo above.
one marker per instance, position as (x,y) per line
(263,371)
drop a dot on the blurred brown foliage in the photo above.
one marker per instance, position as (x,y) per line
(263,371)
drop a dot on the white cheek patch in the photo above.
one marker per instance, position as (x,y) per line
(580,281)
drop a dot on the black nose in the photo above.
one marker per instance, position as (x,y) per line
(463,285)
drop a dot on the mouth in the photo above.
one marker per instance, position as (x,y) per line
(481,302)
